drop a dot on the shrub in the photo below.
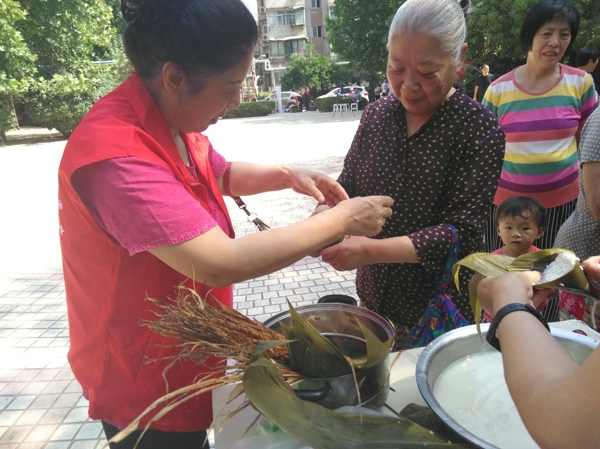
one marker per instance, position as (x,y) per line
(326,104)
(263,95)
(64,100)
(271,103)
(251,109)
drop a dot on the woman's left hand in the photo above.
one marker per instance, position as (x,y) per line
(318,185)
(350,254)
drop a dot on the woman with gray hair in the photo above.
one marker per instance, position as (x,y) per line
(432,148)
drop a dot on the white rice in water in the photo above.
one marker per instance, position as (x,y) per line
(563,263)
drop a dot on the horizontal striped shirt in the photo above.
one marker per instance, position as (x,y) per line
(541,156)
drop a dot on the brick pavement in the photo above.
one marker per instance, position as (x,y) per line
(40,402)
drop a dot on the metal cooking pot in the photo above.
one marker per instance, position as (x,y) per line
(339,322)
(465,341)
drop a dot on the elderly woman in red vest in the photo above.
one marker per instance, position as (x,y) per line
(141,209)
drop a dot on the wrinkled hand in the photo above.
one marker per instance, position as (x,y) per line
(364,216)
(498,291)
(350,254)
(318,185)
(592,267)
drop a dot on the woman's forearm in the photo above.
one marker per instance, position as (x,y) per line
(393,250)
(249,179)
(557,400)
(216,260)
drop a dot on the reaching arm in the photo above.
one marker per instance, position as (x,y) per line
(557,399)
(216,260)
(249,179)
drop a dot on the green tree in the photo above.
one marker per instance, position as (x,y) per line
(67,36)
(312,70)
(16,62)
(358,32)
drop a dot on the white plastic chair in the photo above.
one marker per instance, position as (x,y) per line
(353,107)
(337,107)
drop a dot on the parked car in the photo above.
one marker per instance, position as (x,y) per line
(347,90)
(288,100)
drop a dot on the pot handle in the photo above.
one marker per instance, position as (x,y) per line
(338,299)
(315,395)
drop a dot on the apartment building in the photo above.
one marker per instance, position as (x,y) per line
(287,26)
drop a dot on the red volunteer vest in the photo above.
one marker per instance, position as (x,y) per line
(106,288)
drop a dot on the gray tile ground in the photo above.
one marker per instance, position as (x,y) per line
(40,402)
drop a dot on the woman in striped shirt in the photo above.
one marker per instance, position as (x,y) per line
(542,107)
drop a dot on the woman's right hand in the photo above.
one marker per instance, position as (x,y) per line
(364,216)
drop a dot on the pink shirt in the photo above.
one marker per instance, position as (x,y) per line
(142,206)
(533,250)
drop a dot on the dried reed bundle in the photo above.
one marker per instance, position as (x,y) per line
(207,328)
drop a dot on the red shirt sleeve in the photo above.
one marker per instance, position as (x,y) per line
(141,204)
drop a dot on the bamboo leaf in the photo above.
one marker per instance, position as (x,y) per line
(313,354)
(575,281)
(321,428)
(474,301)
(264,346)
(376,349)
(484,263)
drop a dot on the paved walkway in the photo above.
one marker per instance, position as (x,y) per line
(40,402)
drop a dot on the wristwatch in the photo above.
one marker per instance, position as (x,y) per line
(492,337)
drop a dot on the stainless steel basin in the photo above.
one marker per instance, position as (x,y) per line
(465,341)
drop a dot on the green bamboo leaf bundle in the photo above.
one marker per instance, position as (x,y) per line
(321,428)
(311,353)
(571,279)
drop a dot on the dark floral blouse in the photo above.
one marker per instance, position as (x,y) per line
(445,173)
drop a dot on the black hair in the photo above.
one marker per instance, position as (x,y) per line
(521,206)
(585,54)
(548,11)
(203,38)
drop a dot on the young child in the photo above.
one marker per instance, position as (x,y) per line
(519,221)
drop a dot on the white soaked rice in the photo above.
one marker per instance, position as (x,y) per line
(563,263)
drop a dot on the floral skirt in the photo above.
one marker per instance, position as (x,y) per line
(575,307)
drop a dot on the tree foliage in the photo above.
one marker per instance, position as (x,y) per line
(358,33)
(66,34)
(312,70)
(57,40)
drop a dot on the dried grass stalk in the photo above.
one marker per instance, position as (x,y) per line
(208,328)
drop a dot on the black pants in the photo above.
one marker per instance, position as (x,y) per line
(156,439)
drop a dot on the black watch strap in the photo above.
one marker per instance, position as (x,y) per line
(492,337)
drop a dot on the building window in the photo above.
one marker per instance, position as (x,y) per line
(315,3)
(317,31)
(262,3)
(331,14)
(289,17)
(286,48)
(265,28)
